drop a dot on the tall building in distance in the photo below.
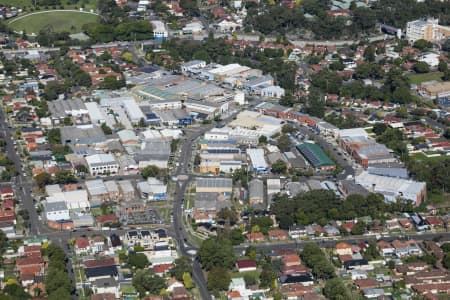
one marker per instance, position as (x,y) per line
(428,29)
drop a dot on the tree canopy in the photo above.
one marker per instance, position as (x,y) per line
(146,281)
(216,252)
(321,206)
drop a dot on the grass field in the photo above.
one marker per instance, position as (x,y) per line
(420,156)
(69,21)
(419,78)
(16,3)
(28,4)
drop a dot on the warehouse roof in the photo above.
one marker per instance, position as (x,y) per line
(100,159)
(390,185)
(375,151)
(62,108)
(390,172)
(353,132)
(82,134)
(55,206)
(257,158)
(96,187)
(315,155)
(214,182)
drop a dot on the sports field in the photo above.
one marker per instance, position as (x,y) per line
(28,4)
(419,78)
(56,20)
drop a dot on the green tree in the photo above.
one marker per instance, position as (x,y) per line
(112,83)
(287,128)
(422,44)
(187,280)
(442,67)
(60,293)
(145,281)
(314,258)
(279,167)
(64,177)
(106,129)
(359,228)
(228,215)
(284,143)
(43,179)
(54,136)
(287,100)
(379,128)
(267,278)
(446,45)
(421,67)
(446,261)
(182,265)
(315,104)
(263,223)
(150,171)
(369,53)
(15,291)
(216,252)
(81,169)
(262,139)
(138,260)
(236,237)
(197,160)
(218,279)
(335,290)
(57,279)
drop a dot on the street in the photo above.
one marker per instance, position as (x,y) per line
(24,186)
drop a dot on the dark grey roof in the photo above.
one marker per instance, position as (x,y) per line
(389,172)
(76,135)
(101,271)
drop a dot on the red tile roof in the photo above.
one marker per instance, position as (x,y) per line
(162,269)
(92,263)
(107,219)
(34,269)
(245,263)
(82,243)
(28,261)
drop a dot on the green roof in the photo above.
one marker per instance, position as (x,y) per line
(153,92)
(315,155)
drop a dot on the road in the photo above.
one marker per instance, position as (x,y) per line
(269,247)
(344,162)
(181,235)
(24,185)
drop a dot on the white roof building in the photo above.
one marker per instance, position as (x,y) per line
(159,29)
(127,136)
(150,134)
(77,199)
(393,188)
(152,189)
(258,161)
(193,27)
(56,211)
(431,59)
(52,189)
(132,109)
(273,186)
(95,113)
(353,132)
(101,164)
